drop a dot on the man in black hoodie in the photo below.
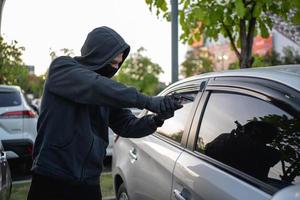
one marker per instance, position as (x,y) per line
(79,103)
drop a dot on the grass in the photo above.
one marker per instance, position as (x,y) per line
(20,190)
(107,185)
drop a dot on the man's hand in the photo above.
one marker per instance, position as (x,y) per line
(165,115)
(163,104)
(160,118)
(168,105)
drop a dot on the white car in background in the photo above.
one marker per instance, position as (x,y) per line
(17,126)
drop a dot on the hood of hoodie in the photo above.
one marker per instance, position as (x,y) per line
(101,46)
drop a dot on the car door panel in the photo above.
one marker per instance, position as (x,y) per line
(200,181)
(205,171)
(153,158)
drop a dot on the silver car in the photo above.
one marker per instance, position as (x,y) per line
(236,137)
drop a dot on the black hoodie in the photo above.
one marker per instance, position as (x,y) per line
(79,105)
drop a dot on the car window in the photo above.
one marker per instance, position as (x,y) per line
(252,136)
(9,99)
(173,128)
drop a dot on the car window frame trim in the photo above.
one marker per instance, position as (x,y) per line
(282,94)
(184,87)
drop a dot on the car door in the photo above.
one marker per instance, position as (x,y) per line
(152,158)
(243,143)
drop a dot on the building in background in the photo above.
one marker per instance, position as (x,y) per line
(30,69)
(283,35)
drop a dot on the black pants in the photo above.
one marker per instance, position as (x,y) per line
(46,188)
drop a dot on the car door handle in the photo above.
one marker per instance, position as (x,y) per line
(178,195)
(132,154)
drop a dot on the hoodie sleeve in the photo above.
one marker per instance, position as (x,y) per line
(71,80)
(125,124)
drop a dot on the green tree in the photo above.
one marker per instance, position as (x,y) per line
(196,63)
(139,71)
(35,85)
(290,56)
(12,69)
(238,20)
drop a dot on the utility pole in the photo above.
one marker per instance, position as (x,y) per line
(1,9)
(174,46)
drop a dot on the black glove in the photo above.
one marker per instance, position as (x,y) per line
(165,115)
(177,100)
(158,122)
(162,104)
(161,117)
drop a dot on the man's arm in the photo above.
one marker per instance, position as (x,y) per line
(125,124)
(71,80)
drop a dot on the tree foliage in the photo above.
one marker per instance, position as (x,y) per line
(238,20)
(35,85)
(196,63)
(13,71)
(290,56)
(139,71)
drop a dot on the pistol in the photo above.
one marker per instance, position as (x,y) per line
(180,98)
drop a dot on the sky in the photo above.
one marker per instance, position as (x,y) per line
(45,25)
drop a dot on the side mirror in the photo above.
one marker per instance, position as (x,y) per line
(290,193)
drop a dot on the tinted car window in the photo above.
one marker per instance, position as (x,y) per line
(252,136)
(173,128)
(9,99)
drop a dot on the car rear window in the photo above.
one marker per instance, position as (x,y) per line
(9,99)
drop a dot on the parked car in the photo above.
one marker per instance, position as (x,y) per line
(5,176)
(17,126)
(236,137)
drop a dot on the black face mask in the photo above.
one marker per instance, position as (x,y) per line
(107,71)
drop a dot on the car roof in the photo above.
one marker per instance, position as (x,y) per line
(9,88)
(285,74)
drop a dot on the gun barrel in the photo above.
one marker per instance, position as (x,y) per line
(187,98)
(182,97)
